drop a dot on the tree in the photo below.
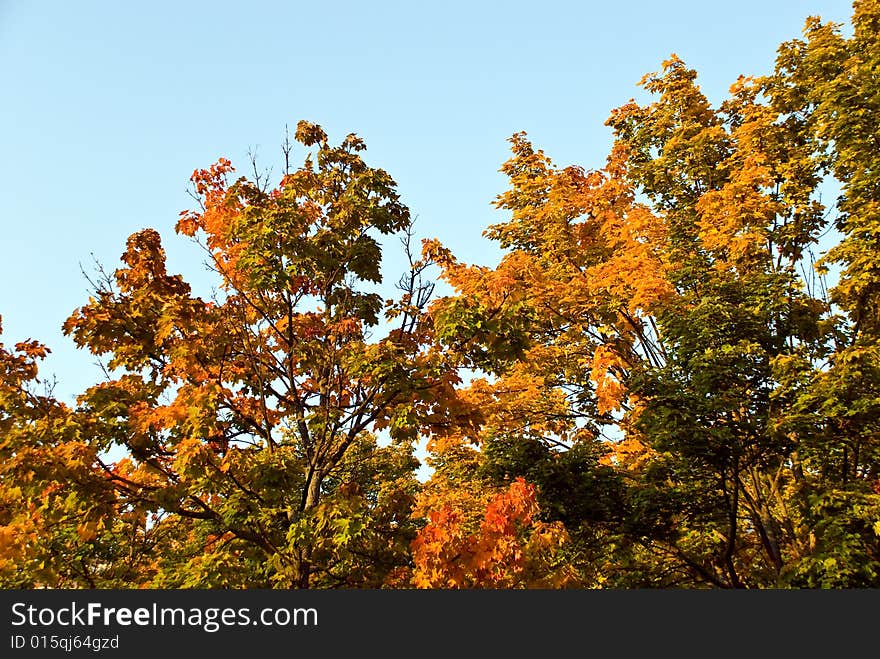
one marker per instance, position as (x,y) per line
(831,410)
(248,421)
(661,316)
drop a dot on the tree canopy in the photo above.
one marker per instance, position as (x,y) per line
(670,379)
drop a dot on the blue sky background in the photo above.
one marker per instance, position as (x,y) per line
(109,106)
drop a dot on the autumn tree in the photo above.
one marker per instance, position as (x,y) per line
(737,187)
(248,422)
(662,316)
(830,409)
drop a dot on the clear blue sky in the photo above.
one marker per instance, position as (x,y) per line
(109,106)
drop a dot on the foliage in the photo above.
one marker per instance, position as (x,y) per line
(656,386)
